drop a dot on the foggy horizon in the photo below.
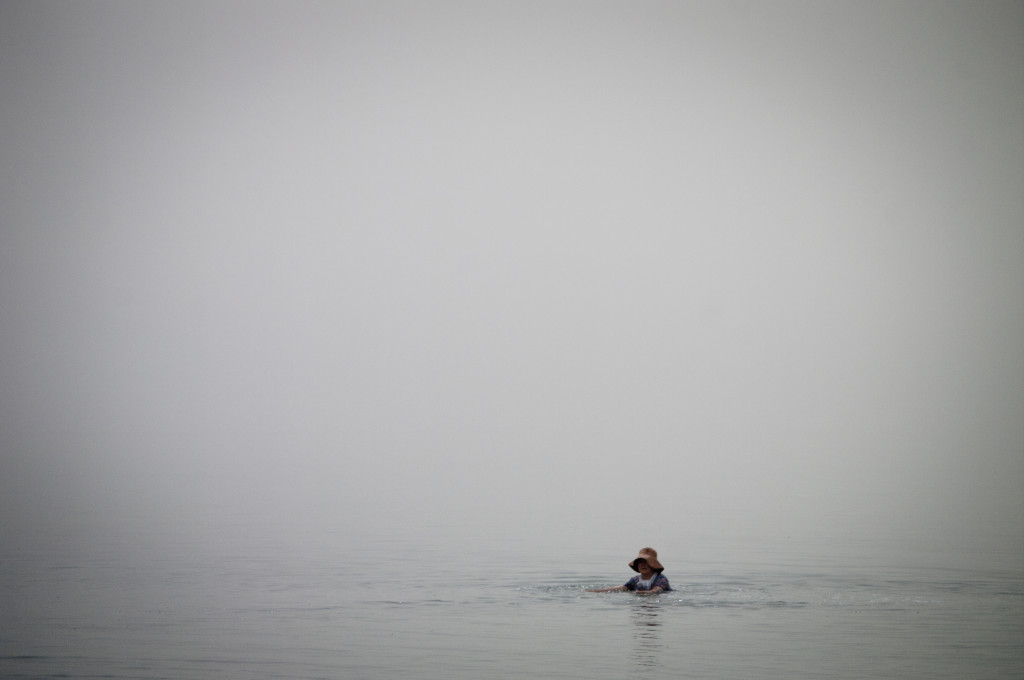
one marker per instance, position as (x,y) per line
(600,273)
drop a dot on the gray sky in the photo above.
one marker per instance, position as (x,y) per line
(537,268)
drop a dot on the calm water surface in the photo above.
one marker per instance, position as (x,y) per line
(376,608)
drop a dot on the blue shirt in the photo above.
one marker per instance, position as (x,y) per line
(657,580)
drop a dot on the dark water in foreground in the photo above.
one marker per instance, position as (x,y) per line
(409,609)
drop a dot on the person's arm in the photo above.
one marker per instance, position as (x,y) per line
(628,585)
(606,590)
(653,591)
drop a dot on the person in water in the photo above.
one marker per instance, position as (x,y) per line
(649,581)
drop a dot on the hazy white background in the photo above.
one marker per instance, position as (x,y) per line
(572,272)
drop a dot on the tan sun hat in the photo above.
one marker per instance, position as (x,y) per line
(651,555)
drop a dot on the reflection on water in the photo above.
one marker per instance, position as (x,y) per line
(647,634)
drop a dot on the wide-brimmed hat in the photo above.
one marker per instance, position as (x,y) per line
(651,556)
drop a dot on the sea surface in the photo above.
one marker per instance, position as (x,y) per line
(381,606)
